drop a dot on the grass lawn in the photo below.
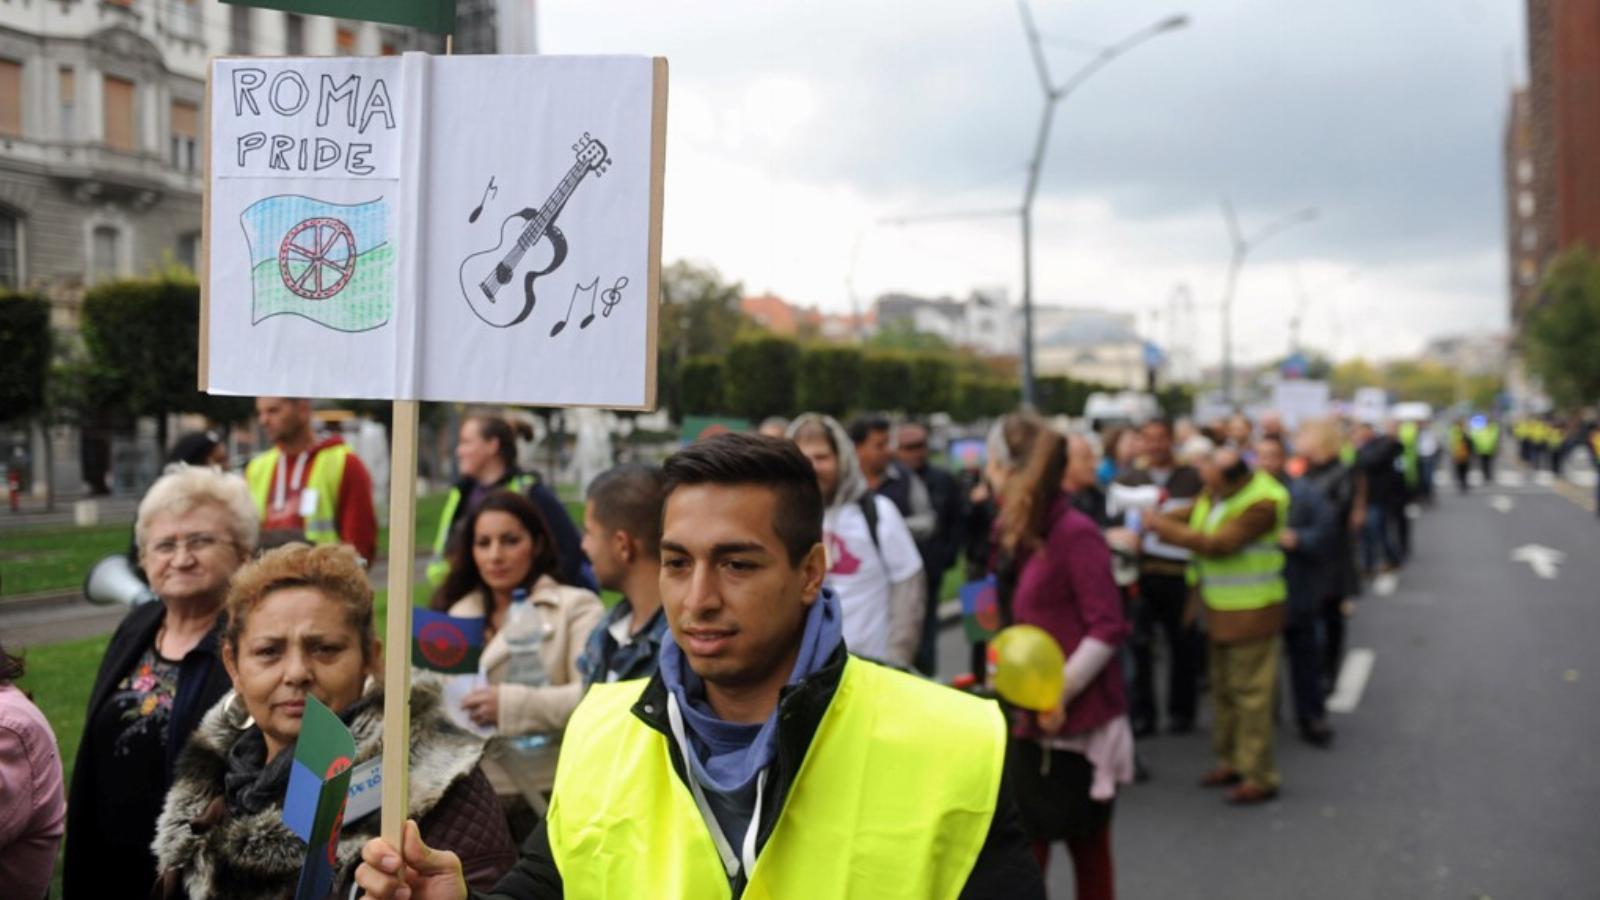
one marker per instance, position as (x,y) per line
(56,557)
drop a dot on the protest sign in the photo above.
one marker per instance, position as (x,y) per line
(476,228)
(319,784)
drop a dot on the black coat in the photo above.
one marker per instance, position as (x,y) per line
(1005,866)
(202,681)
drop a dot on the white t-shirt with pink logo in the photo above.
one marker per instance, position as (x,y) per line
(860,574)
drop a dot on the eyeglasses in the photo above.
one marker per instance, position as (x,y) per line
(195,544)
(914,445)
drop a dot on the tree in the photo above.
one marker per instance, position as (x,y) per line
(699,316)
(1562,332)
(142,338)
(933,384)
(885,381)
(904,336)
(983,397)
(830,378)
(24,355)
(1352,375)
(700,386)
(761,376)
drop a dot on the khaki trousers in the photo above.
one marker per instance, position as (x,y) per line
(1243,676)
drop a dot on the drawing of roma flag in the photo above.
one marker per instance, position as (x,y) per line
(319,784)
(331,263)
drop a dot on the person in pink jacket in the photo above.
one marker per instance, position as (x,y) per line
(33,807)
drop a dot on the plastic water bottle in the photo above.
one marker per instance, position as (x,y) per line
(525,661)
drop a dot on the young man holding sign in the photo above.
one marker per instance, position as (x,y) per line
(900,793)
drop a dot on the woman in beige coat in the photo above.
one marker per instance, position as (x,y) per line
(505,547)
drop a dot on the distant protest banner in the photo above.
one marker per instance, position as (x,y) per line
(475,228)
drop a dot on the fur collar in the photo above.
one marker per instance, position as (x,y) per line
(257,856)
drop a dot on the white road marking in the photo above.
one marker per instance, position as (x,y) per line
(1353,677)
(1509,478)
(1543,560)
(1543,477)
(1501,503)
(1583,478)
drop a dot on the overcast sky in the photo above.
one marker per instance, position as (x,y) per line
(797,126)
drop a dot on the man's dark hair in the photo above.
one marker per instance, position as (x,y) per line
(865,427)
(1273,439)
(1163,421)
(770,462)
(628,498)
(494,428)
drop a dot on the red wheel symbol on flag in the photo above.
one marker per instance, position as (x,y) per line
(317,258)
(442,644)
(335,768)
(987,609)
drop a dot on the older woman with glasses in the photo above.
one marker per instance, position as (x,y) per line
(160,673)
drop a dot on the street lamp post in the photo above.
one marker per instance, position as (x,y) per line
(1241,250)
(1053,94)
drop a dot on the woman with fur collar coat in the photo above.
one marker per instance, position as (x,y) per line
(300,624)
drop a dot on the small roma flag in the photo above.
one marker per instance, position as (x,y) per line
(319,783)
(980,608)
(444,643)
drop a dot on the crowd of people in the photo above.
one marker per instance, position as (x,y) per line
(757,713)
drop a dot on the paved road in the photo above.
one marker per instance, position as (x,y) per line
(1468,769)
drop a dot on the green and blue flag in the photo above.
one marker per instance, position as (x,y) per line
(332,263)
(319,784)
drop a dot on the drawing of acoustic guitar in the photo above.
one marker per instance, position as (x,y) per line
(486,276)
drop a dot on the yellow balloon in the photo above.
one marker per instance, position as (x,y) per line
(1028,667)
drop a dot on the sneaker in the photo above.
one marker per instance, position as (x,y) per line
(1221,776)
(1317,734)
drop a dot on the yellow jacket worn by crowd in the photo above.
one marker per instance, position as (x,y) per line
(894,799)
(327,472)
(1252,578)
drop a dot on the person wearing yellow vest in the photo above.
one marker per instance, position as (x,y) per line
(1460,454)
(1233,531)
(303,488)
(1485,438)
(762,760)
(486,455)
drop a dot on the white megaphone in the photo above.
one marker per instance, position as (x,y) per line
(112,580)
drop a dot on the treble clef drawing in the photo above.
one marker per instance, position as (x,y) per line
(611,296)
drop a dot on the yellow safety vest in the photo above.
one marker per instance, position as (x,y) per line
(1253,577)
(1484,439)
(325,477)
(893,800)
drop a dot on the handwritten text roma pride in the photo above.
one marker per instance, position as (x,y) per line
(287,94)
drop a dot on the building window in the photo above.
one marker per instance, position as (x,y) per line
(120,131)
(294,31)
(389,49)
(105,253)
(189,250)
(10,97)
(10,257)
(344,41)
(185,134)
(239,30)
(1527,273)
(1530,238)
(1524,170)
(68,81)
(1525,204)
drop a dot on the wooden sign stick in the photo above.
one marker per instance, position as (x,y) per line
(397,635)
